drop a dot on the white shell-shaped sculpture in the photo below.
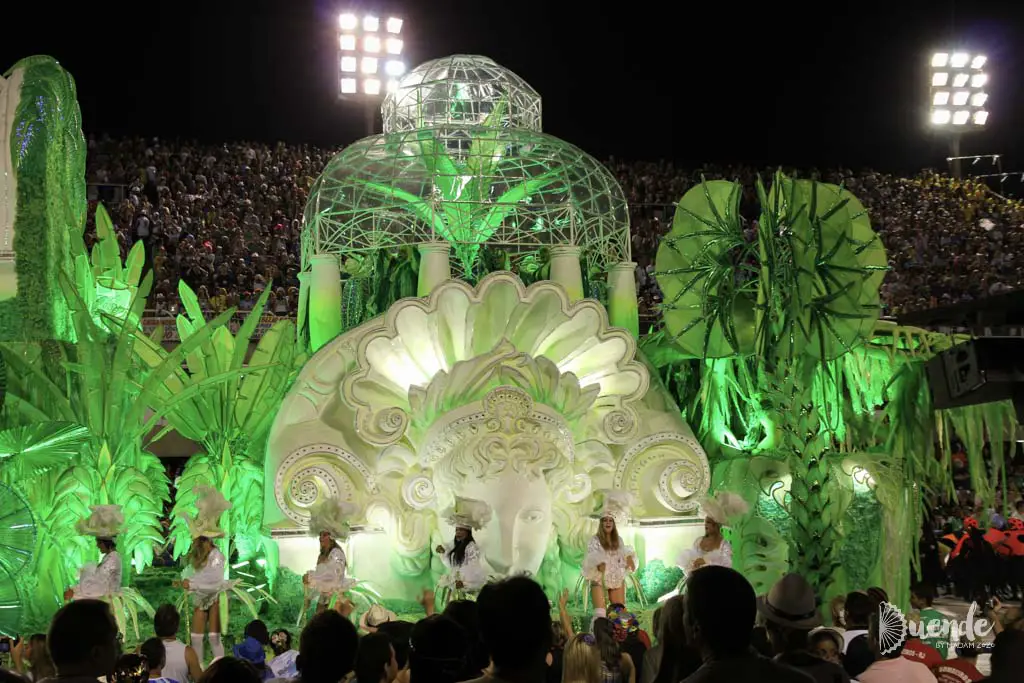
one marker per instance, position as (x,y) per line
(429,355)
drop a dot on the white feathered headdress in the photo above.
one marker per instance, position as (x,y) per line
(616,504)
(332,516)
(468,513)
(211,504)
(725,507)
(104,522)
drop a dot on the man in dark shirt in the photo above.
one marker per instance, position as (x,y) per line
(515,623)
(719,619)
(791,611)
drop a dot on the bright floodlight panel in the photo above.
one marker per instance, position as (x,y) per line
(369,53)
(958,94)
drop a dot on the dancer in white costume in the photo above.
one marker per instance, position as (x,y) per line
(608,558)
(712,548)
(103,581)
(329,522)
(204,576)
(466,573)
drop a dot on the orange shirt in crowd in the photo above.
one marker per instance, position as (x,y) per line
(917,651)
(957,671)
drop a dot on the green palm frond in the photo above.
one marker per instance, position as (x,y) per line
(30,450)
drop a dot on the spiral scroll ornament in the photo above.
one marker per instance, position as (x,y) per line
(620,425)
(418,492)
(383,427)
(668,465)
(313,474)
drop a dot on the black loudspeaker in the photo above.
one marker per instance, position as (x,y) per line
(981,370)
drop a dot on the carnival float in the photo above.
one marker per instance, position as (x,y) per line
(468,329)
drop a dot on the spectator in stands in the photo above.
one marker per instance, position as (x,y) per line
(375,659)
(283,663)
(84,641)
(31,658)
(327,648)
(400,633)
(790,609)
(181,661)
(153,653)
(439,651)
(232,670)
(857,608)
(720,611)
(228,217)
(962,669)
(515,624)
(1007,657)
(891,665)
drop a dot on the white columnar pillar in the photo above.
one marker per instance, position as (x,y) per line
(324,300)
(622,301)
(435,266)
(565,270)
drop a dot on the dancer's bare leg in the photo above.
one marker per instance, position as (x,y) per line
(617,596)
(597,596)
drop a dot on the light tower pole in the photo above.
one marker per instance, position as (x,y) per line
(370,61)
(958,97)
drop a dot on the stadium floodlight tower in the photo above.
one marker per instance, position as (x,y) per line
(370,49)
(958,96)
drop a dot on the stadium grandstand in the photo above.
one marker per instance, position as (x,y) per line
(227,219)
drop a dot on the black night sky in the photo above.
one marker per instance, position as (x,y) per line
(781,83)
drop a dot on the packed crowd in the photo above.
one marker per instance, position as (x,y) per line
(717,631)
(227,220)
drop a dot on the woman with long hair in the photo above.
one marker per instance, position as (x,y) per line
(581,661)
(712,548)
(329,522)
(463,558)
(608,558)
(205,575)
(616,666)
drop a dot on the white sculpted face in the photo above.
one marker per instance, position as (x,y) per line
(517,538)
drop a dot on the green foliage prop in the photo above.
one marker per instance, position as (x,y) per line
(47,151)
(770,316)
(229,411)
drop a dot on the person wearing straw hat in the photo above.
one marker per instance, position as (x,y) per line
(463,558)
(329,523)
(608,558)
(103,581)
(204,576)
(96,581)
(711,548)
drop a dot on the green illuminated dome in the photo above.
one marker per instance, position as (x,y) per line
(463,161)
(517,189)
(461,90)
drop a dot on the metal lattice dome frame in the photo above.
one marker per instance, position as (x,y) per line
(515,189)
(460,90)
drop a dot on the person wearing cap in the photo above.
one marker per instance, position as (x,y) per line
(712,548)
(204,576)
(791,610)
(329,523)
(466,573)
(103,581)
(608,558)
(375,617)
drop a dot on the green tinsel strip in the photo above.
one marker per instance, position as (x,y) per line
(48,151)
